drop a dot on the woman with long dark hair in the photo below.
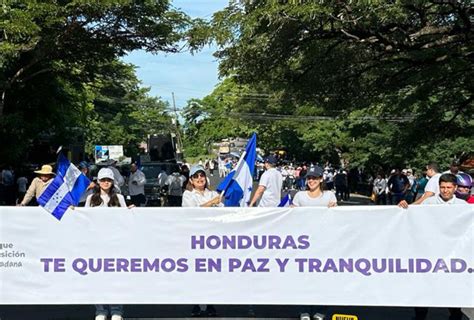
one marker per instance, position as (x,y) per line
(197,194)
(105,195)
(315,195)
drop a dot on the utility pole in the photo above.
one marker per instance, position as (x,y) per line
(174,121)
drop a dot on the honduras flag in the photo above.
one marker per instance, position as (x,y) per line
(286,201)
(237,185)
(65,190)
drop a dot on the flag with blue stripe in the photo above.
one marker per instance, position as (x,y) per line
(237,185)
(65,190)
(286,201)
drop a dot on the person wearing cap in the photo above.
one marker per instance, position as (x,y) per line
(105,195)
(269,186)
(315,195)
(39,184)
(197,194)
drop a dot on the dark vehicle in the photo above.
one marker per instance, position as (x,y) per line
(153,189)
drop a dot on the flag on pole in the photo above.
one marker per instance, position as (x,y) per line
(65,190)
(237,185)
(286,201)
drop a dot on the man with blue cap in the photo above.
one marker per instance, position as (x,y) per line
(269,186)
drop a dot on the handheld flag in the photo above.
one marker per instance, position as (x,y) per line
(286,201)
(237,185)
(65,190)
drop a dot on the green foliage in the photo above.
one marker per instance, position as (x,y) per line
(378,81)
(60,77)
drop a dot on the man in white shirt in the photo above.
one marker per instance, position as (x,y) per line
(447,187)
(269,187)
(136,186)
(431,188)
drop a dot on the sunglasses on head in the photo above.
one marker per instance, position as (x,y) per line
(198,175)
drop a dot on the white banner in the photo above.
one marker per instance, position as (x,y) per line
(364,255)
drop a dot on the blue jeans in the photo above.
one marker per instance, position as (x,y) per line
(105,309)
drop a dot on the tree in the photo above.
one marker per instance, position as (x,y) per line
(402,66)
(51,52)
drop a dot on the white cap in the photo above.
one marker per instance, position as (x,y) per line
(105,173)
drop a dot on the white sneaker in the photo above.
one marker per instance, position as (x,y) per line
(319,316)
(305,316)
(116,317)
(101,317)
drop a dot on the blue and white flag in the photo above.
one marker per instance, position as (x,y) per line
(65,190)
(237,185)
(286,201)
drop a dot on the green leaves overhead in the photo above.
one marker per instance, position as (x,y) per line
(381,73)
(60,74)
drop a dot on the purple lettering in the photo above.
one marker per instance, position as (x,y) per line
(182,265)
(398,266)
(46,262)
(213,242)
(330,265)
(80,266)
(458,265)
(197,242)
(135,265)
(363,266)
(303,242)
(379,268)
(440,265)
(109,265)
(282,263)
(122,265)
(274,242)
(314,265)
(245,242)
(346,265)
(234,264)
(168,265)
(423,265)
(289,243)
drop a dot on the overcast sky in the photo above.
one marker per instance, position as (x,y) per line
(188,76)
